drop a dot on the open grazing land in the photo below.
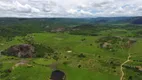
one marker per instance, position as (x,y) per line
(84,49)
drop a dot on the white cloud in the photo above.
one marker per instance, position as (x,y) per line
(17,7)
(72,11)
(79,12)
(70,8)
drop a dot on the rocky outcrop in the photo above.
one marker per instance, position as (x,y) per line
(22,50)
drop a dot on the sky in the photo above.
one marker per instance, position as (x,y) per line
(70,8)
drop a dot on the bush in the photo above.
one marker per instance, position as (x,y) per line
(79,66)
(41,50)
(81,55)
(55,57)
(1,65)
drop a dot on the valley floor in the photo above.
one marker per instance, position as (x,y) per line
(95,64)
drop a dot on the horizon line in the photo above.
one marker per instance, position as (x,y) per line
(75,17)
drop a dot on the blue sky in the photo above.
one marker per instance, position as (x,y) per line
(70,8)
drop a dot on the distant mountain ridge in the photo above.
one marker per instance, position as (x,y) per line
(137,20)
(75,21)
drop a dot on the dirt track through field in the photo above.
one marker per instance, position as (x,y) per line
(121,67)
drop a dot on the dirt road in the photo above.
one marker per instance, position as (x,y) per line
(121,67)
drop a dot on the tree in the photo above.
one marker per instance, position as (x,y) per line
(130,78)
(29,39)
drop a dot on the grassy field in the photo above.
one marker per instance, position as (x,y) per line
(94,66)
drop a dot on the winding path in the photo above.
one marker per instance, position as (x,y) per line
(121,67)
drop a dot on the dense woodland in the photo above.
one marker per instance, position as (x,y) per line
(11,27)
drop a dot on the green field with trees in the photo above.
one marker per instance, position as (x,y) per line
(83,49)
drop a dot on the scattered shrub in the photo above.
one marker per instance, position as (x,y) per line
(81,55)
(79,66)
